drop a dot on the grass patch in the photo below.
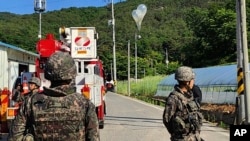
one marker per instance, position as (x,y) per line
(223,125)
(144,88)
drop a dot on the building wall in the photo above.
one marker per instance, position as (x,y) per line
(4,68)
(11,58)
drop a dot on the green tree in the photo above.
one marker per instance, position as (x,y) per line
(215,33)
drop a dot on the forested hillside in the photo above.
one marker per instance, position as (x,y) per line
(197,33)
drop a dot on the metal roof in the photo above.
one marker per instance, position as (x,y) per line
(17,48)
(216,75)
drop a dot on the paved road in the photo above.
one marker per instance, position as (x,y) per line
(128,119)
(133,120)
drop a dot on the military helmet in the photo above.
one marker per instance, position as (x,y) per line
(36,81)
(184,73)
(60,66)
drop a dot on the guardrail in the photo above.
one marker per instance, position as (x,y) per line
(212,97)
(158,101)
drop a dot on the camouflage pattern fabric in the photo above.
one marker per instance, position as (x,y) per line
(60,66)
(184,73)
(40,116)
(58,113)
(28,137)
(22,97)
(36,81)
(176,118)
(17,127)
(16,95)
(189,137)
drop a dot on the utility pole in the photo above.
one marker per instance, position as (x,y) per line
(135,57)
(245,59)
(111,71)
(240,79)
(114,53)
(242,59)
(129,68)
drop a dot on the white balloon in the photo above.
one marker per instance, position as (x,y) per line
(142,10)
(139,14)
(137,19)
(135,16)
(139,25)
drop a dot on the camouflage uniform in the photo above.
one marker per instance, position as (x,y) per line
(37,82)
(36,119)
(16,93)
(176,115)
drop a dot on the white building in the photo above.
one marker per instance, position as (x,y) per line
(14,61)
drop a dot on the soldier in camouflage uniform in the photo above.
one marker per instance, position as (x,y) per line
(34,85)
(181,115)
(58,113)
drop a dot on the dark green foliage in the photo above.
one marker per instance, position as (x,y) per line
(196,33)
(214,36)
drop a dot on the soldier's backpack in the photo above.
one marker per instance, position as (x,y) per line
(55,118)
(194,116)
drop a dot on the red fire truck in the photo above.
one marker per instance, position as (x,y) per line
(81,43)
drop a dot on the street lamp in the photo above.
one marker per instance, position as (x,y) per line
(138,15)
(39,6)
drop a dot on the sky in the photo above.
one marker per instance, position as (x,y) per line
(27,6)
